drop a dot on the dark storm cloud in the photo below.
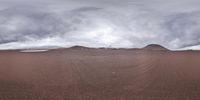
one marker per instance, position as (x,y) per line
(99,23)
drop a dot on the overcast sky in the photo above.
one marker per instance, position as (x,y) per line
(174,24)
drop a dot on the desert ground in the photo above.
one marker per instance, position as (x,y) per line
(100,74)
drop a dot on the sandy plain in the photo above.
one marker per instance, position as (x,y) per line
(100,74)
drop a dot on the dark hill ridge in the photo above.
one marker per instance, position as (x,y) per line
(79,47)
(154,47)
(148,47)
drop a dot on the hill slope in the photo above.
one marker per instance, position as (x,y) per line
(155,47)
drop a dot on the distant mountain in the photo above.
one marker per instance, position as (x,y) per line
(79,47)
(154,47)
(148,47)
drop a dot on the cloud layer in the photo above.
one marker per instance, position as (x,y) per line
(123,25)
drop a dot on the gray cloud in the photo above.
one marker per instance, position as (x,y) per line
(183,29)
(99,23)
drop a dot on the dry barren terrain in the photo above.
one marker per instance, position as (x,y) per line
(100,74)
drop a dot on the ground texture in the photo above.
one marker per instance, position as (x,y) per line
(100,74)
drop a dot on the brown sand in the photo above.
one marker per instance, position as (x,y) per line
(100,74)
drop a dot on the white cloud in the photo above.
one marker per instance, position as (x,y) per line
(99,23)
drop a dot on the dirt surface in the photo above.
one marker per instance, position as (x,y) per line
(100,74)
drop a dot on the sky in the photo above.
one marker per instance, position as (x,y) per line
(99,23)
